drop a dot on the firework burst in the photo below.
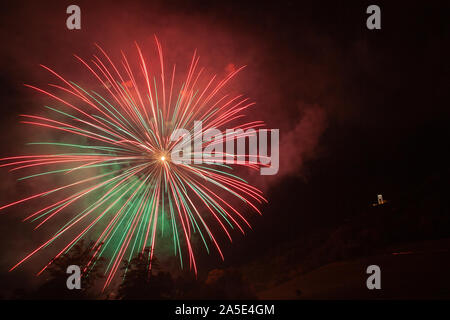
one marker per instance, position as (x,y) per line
(129,187)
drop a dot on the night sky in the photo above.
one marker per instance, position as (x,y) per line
(360,112)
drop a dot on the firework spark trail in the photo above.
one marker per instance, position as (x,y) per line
(126,140)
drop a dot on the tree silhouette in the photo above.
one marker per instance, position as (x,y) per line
(140,282)
(55,286)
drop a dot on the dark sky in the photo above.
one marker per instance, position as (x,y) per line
(371,106)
